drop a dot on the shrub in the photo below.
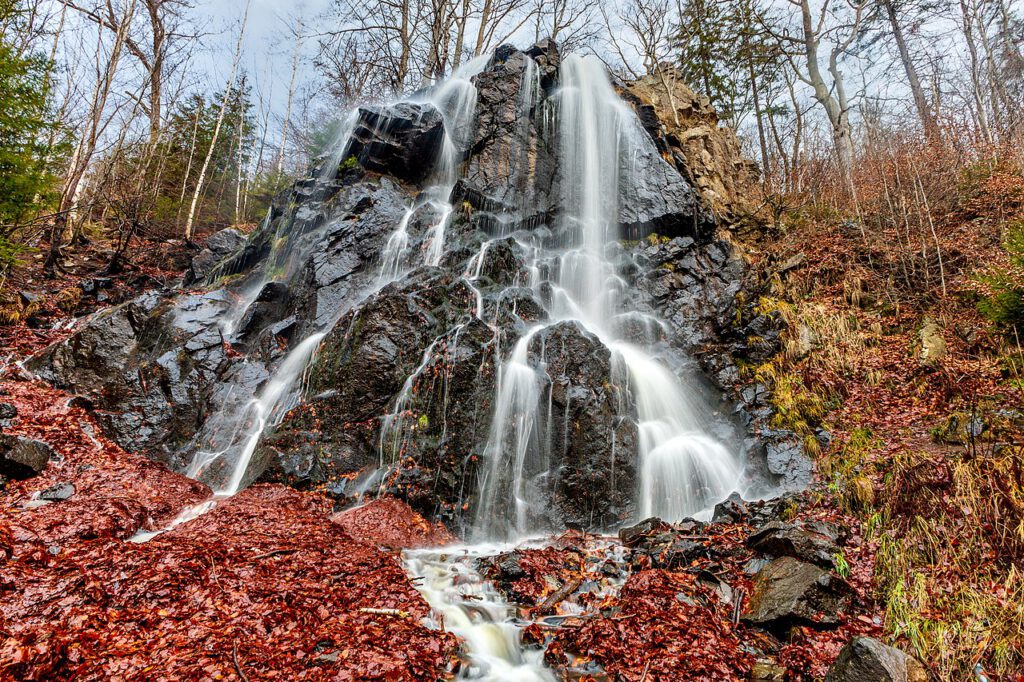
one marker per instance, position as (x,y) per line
(1001,287)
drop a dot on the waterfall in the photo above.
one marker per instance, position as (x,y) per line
(573,269)
(245,429)
(683,470)
(455,99)
(224,447)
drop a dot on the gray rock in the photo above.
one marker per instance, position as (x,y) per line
(731,510)
(28,298)
(815,545)
(219,246)
(23,458)
(791,592)
(865,659)
(58,492)
(787,459)
(8,413)
(633,535)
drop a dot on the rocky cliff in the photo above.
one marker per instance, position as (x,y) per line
(419,295)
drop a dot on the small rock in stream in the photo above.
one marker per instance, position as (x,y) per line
(58,492)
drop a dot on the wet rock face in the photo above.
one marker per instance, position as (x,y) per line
(401,140)
(352,422)
(155,368)
(512,164)
(592,446)
(147,366)
(659,200)
(701,291)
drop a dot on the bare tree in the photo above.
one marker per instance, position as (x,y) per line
(154,50)
(894,11)
(570,23)
(841,31)
(95,124)
(286,123)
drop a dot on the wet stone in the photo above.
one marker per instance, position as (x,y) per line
(817,546)
(58,492)
(23,458)
(791,592)
(867,660)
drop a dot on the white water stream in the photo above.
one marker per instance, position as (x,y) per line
(683,471)
(471,608)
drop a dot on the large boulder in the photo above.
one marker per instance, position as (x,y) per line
(148,367)
(401,140)
(867,660)
(23,458)
(791,592)
(814,543)
(592,440)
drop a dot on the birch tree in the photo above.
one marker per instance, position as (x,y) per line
(814,49)
(190,223)
(94,126)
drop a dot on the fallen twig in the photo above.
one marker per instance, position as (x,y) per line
(560,595)
(238,668)
(387,612)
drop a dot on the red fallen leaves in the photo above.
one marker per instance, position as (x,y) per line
(394,524)
(542,571)
(116,493)
(670,626)
(264,586)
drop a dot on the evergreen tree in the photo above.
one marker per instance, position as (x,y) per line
(24,124)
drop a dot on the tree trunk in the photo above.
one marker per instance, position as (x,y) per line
(86,145)
(288,107)
(190,223)
(928,124)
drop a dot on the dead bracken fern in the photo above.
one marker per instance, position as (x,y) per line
(950,546)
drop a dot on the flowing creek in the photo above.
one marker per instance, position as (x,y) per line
(683,469)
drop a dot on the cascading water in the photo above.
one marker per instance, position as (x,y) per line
(473,609)
(682,470)
(455,98)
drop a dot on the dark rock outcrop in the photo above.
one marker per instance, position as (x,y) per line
(400,396)
(790,592)
(591,441)
(512,165)
(401,140)
(218,246)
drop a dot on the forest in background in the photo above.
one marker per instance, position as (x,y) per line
(888,222)
(116,123)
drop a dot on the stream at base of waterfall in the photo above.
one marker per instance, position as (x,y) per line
(683,470)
